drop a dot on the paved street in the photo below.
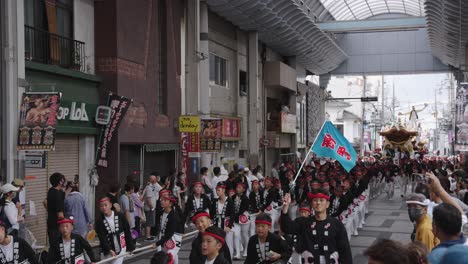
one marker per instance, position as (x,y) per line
(386,219)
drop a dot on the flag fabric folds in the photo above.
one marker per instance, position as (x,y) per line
(331,143)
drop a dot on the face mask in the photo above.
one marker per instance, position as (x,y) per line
(414,214)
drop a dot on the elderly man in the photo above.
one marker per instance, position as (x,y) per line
(417,211)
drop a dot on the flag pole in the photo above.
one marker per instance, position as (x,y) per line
(308,152)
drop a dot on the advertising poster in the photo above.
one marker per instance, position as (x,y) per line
(231,128)
(210,135)
(38,121)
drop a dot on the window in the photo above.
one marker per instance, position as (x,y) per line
(162,59)
(340,128)
(218,71)
(243,88)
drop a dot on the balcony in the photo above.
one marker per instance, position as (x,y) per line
(49,48)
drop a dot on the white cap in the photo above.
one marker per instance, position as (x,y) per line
(246,169)
(6,188)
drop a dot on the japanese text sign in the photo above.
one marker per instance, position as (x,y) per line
(331,143)
(231,128)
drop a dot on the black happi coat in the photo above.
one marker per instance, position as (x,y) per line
(169,227)
(300,194)
(190,206)
(78,246)
(241,205)
(220,259)
(255,201)
(25,252)
(344,201)
(273,243)
(272,196)
(219,220)
(196,256)
(106,236)
(320,238)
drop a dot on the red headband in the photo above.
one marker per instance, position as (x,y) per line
(318,195)
(304,209)
(241,184)
(255,182)
(221,186)
(262,222)
(64,221)
(104,199)
(197,183)
(214,235)
(268,179)
(195,217)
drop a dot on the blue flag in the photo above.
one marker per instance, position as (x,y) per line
(331,143)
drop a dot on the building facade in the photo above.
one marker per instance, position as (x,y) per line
(138,55)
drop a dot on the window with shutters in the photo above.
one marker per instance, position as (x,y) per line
(218,71)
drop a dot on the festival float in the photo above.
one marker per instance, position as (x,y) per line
(400,141)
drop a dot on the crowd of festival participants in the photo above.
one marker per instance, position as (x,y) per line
(244,215)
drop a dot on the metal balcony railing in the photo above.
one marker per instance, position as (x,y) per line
(48,48)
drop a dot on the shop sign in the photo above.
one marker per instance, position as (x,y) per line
(73,112)
(210,135)
(188,124)
(35,159)
(38,121)
(119,106)
(103,114)
(231,128)
(288,123)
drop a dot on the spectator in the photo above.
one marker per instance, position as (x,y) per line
(76,206)
(181,183)
(151,196)
(113,193)
(10,211)
(417,210)
(20,198)
(457,254)
(447,221)
(207,183)
(417,253)
(127,205)
(139,208)
(387,251)
(274,170)
(217,178)
(55,205)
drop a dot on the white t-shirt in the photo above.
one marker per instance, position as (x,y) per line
(210,261)
(163,224)
(262,249)
(152,192)
(12,213)
(197,202)
(67,248)
(8,250)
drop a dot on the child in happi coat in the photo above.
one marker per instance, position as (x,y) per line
(241,220)
(170,236)
(113,232)
(271,198)
(197,201)
(212,244)
(222,214)
(255,204)
(202,221)
(14,249)
(70,248)
(266,247)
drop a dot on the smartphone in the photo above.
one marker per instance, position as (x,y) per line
(422,178)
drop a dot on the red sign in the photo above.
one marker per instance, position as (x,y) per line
(193,142)
(231,128)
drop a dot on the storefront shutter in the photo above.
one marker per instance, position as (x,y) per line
(64,159)
(129,161)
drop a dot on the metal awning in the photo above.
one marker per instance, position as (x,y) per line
(160,147)
(448,30)
(286,28)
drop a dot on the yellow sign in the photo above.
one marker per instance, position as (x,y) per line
(189,124)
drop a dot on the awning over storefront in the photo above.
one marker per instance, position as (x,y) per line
(285,27)
(160,147)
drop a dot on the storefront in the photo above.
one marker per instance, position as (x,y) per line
(74,151)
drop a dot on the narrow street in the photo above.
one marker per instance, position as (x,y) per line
(386,219)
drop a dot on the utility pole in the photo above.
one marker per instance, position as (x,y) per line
(363,116)
(383,100)
(393,104)
(436,131)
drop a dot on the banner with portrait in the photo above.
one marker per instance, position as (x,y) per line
(210,135)
(38,121)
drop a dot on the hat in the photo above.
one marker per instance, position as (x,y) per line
(18,182)
(65,220)
(199,214)
(6,188)
(246,169)
(417,198)
(215,232)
